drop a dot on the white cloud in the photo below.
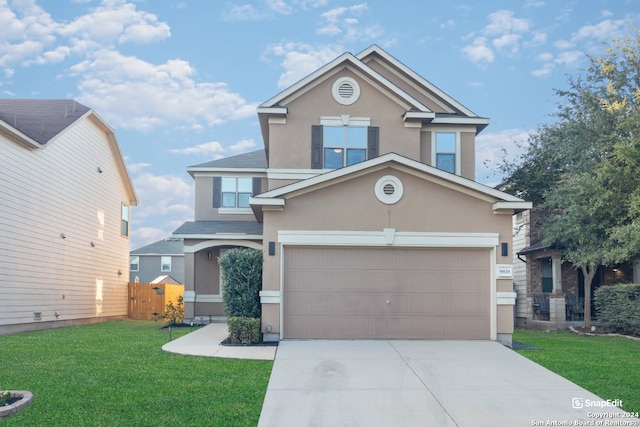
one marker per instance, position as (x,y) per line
(503,22)
(242,146)
(135,94)
(300,59)
(117,21)
(601,31)
(493,148)
(161,195)
(478,51)
(245,12)
(545,70)
(344,21)
(205,149)
(570,58)
(503,33)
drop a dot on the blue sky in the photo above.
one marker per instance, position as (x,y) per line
(179,81)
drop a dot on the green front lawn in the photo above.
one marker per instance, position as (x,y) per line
(607,366)
(116,374)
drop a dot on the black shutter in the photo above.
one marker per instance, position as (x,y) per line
(257,184)
(217,191)
(316,147)
(373,142)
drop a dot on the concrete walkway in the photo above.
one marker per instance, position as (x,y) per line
(205,341)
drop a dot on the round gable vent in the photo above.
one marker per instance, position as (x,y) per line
(389,189)
(346,91)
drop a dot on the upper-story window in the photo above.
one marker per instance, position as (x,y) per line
(165,263)
(231,193)
(446,152)
(236,192)
(344,146)
(124,224)
(134,263)
(343,141)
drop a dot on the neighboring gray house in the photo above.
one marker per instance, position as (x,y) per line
(64,216)
(162,258)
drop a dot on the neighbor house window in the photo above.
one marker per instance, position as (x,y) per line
(344,146)
(236,192)
(124,229)
(165,263)
(446,151)
(547,275)
(134,263)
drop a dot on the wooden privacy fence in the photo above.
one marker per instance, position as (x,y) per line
(148,301)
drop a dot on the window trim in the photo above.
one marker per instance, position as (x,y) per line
(217,193)
(345,121)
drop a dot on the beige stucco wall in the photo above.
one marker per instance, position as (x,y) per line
(351,204)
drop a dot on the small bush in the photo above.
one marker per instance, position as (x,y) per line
(244,330)
(174,314)
(618,308)
(242,281)
(5,398)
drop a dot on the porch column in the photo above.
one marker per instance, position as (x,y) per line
(636,272)
(189,296)
(556,273)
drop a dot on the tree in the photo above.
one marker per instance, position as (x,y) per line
(583,171)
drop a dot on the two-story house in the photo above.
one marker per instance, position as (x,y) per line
(365,206)
(65,203)
(158,261)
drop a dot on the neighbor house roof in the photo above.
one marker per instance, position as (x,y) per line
(219,229)
(254,161)
(169,246)
(40,119)
(36,123)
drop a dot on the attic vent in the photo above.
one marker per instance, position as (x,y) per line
(346,91)
(389,189)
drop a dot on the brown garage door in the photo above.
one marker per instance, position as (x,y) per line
(386,293)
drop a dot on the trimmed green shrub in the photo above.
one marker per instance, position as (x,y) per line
(242,281)
(618,308)
(244,330)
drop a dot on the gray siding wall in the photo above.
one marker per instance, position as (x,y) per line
(54,190)
(150,268)
(520,241)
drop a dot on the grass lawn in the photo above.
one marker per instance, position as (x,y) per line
(606,366)
(116,374)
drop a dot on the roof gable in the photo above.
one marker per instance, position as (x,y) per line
(375,53)
(346,59)
(501,202)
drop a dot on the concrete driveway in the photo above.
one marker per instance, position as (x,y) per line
(419,383)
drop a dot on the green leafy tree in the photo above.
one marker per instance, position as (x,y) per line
(242,281)
(583,171)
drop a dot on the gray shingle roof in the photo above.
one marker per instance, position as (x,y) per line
(219,227)
(41,119)
(254,159)
(169,246)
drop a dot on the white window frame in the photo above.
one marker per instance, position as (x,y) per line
(137,263)
(162,264)
(345,121)
(124,208)
(434,152)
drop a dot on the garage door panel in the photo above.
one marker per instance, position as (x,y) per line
(343,293)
